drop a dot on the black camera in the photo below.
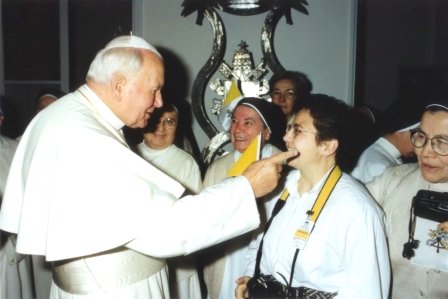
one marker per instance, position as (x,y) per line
(431,205)
(426,204)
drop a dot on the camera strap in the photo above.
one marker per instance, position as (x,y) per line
(411,244)
(313,215)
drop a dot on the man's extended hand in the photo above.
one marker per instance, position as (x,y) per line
(263,175)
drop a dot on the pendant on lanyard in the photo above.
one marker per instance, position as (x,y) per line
(303,233)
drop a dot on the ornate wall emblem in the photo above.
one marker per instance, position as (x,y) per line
(245,74)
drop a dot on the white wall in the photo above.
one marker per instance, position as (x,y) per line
(320,44)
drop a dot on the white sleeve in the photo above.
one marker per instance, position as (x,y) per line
(251,255)
(218,213)
(366,259)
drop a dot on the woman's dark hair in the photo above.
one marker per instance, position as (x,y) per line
(440,104)
(333,119)
(153,121)
(302,85)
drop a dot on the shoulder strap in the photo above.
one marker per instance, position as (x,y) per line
(278,206)
(314,213)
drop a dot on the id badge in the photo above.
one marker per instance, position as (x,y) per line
(302,234)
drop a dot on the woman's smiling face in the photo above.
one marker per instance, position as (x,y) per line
(246,125)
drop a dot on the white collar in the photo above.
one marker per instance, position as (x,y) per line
(389,147)
(101,108)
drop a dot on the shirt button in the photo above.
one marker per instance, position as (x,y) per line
(422,294)
(12,261)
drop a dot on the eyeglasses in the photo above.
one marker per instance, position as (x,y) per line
(295,129)
(438,144)
(169,123)
(288,94)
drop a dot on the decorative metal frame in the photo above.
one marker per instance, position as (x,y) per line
(220,139)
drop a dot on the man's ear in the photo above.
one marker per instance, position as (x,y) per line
(329,147)
(267,136)
(118,84)
(401,135)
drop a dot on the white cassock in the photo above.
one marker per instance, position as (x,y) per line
(181,166)
(15,271)
(79,196)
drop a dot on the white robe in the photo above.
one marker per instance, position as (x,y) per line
(76,189)
(7,149)
(394,191)
(176,163)
(346,251)
(374,160)
(226,262)
(15,271)
(181,166)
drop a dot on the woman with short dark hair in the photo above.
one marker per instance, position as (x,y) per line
(339,249)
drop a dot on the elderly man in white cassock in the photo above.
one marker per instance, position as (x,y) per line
(105,217)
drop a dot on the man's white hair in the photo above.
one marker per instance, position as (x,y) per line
(122,55)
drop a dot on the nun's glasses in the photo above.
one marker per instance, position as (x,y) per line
(438,143)
(169,123)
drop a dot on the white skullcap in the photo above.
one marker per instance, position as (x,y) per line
(48,95)
(131,41)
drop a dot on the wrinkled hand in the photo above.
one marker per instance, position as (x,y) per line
(263,175)
(241,288)
(443,226)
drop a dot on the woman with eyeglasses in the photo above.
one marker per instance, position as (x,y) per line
(158,148)
(395,191)
(328,240)
(287,89)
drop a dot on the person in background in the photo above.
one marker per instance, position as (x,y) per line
(287,89)
(395,189)
(158,149)
(252,116)
(366,120)
(346,253)
(15,270)
(395,143)
(105,217)
(46,96)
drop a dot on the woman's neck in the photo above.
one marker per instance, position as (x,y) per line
(311,176)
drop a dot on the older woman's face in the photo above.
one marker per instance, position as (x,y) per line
(246,125)
(286,103)
(162,137)
(434,168)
